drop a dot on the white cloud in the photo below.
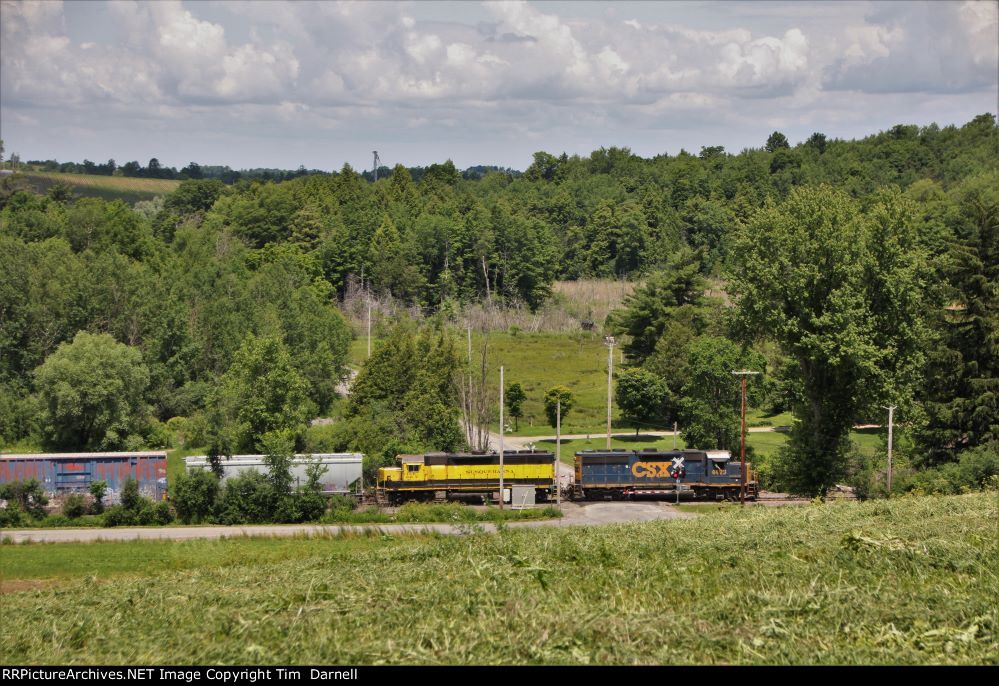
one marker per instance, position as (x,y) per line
(520,69)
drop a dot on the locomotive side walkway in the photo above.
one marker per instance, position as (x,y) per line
(575,514)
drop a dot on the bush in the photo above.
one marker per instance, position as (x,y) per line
(130,497)
(311,505)
(12,517)
(974,470)
(74,506)
(116,515)
(287,510)
(162,513)
(193,495)
(247,499)
(136,510)
(98,489)
(26,496)
(342,502)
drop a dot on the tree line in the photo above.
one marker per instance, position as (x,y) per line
(855,273)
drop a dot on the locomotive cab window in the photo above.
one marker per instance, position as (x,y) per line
(413,467)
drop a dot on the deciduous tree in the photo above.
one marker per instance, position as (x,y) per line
(841,291)
(93,392)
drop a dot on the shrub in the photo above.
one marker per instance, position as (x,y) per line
(116,515)
(311,505)
(162,513)
(130,494)
(145,513)
(98,489)
(246,499)
(973,471)
(287,510)
(343,503)
(194,495)
(26,496)
(74,506)
(12,517)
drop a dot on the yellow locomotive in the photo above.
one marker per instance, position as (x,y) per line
(438,476)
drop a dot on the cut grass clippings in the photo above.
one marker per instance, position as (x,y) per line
(906,581)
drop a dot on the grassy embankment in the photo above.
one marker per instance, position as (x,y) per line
(131,190)
(907,581)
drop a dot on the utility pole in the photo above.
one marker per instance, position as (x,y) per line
(369,325)
(742,489)
(891,418)
(376,163)
(609,342)
(674,435)
(501,438)
(558,451)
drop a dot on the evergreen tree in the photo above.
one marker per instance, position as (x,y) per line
(962,383)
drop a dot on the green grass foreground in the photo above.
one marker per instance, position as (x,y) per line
(913,580)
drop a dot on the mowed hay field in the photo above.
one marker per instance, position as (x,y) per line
(130,190)
(908,581)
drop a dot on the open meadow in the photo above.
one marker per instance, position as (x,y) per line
(541,360)
(907,581)
(129,189)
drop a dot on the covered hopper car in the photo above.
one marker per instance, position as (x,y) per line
(439,476)
(620,474)
(341,471)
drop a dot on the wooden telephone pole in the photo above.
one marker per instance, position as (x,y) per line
(742,489)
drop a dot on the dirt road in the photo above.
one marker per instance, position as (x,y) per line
(576,514)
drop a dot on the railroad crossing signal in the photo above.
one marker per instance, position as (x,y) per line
(677,470)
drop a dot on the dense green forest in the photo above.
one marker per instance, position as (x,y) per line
(856,274)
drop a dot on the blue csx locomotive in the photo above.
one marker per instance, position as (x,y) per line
(619,474)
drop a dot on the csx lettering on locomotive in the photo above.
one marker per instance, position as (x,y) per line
(651,470)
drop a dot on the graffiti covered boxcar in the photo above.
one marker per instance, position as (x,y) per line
(63,473)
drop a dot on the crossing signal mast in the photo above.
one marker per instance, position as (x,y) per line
(377,163)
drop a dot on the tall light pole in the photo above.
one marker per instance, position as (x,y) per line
(742,488)
(891,417)
(609,342)
(501,439)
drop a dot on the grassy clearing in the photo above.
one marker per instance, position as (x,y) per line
(540,361)
(908,581)
(592,299)
(130,190)
(175,460)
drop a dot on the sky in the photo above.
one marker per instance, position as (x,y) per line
(320,84)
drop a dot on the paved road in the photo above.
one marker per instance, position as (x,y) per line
(576,514)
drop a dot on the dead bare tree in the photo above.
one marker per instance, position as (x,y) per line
(475,403)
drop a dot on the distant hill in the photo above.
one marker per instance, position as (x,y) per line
(131,190)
